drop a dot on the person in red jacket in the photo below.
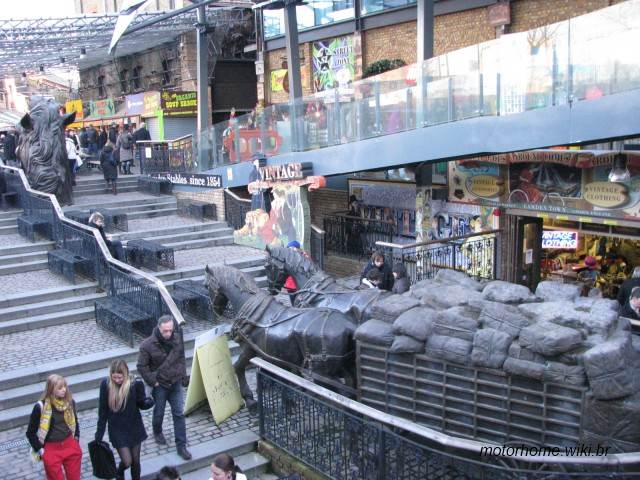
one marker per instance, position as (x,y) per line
(290,283)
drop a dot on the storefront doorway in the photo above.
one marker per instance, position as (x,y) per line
(528,247)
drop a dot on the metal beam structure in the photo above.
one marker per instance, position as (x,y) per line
(27,44)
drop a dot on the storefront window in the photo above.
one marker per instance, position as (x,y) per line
(313,14)
(371,6)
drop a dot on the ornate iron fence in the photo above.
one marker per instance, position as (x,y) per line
(120,279)
(354,236)
(474,254)
(317,245)
(235,209)
(344,439)
(167,156)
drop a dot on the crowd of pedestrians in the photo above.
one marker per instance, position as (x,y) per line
(54,431)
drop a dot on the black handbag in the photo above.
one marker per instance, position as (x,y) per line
(102,460)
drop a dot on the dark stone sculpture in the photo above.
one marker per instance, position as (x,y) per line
(42,150)
(318,339)
(316,288)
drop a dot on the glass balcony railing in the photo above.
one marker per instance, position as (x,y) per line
(576,60)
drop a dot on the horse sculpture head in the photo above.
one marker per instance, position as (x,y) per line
(42,149)
(227,284)
(282,262)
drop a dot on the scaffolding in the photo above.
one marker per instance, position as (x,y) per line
(27,45)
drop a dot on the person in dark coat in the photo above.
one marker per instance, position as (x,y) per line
(10,144)
(378,261)
(102,138)
(84,139)
(141,133)
(113,133)
(162,364)
(109,165)
(92,140)
(96,220)
(121,399)
(401,281)
(625,295)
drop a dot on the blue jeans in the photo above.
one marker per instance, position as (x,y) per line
(174,395)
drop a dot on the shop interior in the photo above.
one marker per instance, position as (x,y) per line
(570,247)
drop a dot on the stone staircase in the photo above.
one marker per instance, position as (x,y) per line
(36,306)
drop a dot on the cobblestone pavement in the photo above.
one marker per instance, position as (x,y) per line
(29,282)
(203,256)
(15,464)
(24,349)
(107,198)
(12,239)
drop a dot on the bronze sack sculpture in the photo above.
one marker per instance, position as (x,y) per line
(42,151)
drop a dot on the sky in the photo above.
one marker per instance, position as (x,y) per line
(36,8)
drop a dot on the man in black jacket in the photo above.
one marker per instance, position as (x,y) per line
(162,364)
(628,306)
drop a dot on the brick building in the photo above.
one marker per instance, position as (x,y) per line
(389,32)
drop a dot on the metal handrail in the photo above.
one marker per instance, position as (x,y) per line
(166,141)
(101,243)
(404,246)
(317,229)
(236,197)
(434,436)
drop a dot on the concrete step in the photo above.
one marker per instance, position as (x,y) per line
(99,182)
(103,190)
(5,214)
(49,306)
(82,189)
(46,320)
(241,446)
(8,229)
(7,222)
(37,247)
(26,266)
(215,232)
(169,231)
(201,243)
(23,258)
(160,212)
(253,465)
(255,270)
(57,293)
(16,403)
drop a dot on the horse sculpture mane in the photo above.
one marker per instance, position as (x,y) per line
(218,274)
(42,149)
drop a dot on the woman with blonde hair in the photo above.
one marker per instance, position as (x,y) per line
(121,399)
(53,431)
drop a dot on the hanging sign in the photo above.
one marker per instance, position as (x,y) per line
(334,63)
(285,172)
(191,179)
(135,104)
(606,194)
(279,81)
(559,239)
(179,104)
(75,106)
(103,108)
(151,102)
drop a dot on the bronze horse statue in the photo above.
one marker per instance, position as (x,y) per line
(319,340)
(315,287)
(42,150)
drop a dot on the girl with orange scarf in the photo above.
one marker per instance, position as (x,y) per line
(53,431)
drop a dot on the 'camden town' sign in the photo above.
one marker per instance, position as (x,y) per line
(285,172)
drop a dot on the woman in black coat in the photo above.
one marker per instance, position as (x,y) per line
(401,283)
(121,400)
(378,261)
(109,165)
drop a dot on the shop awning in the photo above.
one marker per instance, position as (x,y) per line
(120,114)
(570,158)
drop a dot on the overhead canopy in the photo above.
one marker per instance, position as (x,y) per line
(9,118)
(26,44)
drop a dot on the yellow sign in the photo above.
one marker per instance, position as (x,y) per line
(75,106)
(606,194)
(213,377)
(279,81)
(485,186)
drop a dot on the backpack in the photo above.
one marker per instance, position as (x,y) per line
(126,141)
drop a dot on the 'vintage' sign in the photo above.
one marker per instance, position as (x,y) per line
(287,171)
(606,194)
(559,239)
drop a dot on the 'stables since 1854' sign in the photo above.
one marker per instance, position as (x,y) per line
(191,179)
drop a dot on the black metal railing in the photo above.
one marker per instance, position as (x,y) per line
(119,279)
(343,439)
(235,209)
(474,254)
(171,156)
(317,249)
(355,236)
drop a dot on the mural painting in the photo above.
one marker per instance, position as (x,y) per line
(280,205)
